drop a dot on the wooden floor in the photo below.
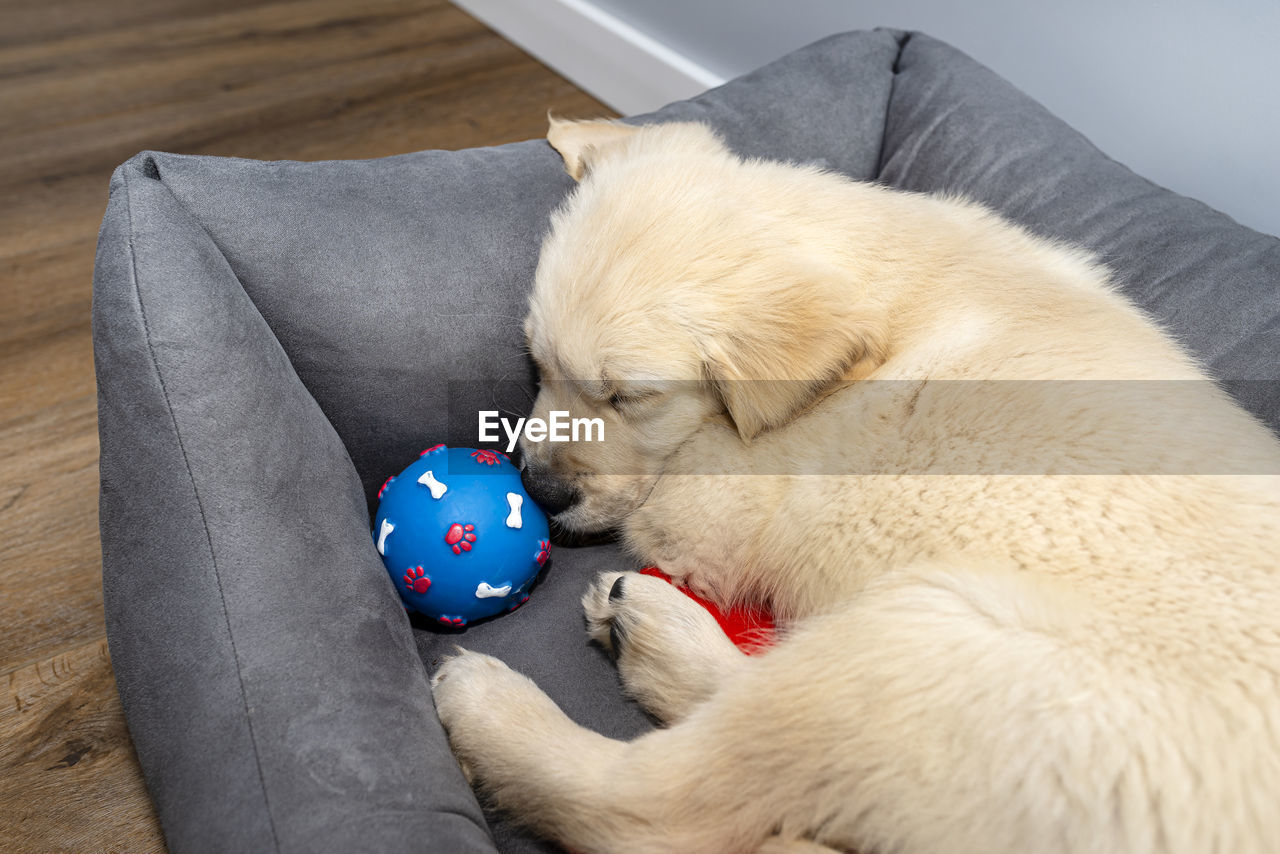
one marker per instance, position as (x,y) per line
(84,84)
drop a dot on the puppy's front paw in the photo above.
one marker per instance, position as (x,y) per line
(598,605)
(466,684)
(670,652)
(487,709)
(512,741)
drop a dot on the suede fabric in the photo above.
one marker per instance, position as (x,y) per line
(268,674)
(273,340)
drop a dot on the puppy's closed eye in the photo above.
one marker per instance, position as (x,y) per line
(629,399)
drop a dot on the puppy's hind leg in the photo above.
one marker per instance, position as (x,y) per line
(671,653)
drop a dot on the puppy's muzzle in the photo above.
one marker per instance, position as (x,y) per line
(550,492)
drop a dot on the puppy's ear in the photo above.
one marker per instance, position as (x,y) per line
(789,344)
(584,144)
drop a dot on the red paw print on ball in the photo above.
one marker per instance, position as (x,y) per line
(544,552)
(460,536)
(416,580)
(488,458)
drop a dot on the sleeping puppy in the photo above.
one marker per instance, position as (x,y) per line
(1024,553)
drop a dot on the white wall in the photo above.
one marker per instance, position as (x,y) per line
(1186,93)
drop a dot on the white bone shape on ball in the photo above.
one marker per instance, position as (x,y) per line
(516,501)
(437,488)
(484,591)
(387,528)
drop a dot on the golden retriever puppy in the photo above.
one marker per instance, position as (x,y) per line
(1025,555)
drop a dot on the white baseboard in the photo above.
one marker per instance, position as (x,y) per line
(621,66)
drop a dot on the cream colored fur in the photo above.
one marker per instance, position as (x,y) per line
(977,657)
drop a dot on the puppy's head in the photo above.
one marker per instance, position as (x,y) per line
(680,285)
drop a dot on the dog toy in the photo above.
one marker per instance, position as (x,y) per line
(459,535)
(751,629)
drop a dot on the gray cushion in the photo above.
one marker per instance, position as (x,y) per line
(274,339)
(269,679)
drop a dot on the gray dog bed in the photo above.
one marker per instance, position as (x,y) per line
(274,339)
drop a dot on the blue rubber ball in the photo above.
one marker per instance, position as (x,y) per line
(460,536)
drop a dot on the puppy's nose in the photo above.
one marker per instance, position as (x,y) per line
(550,492)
